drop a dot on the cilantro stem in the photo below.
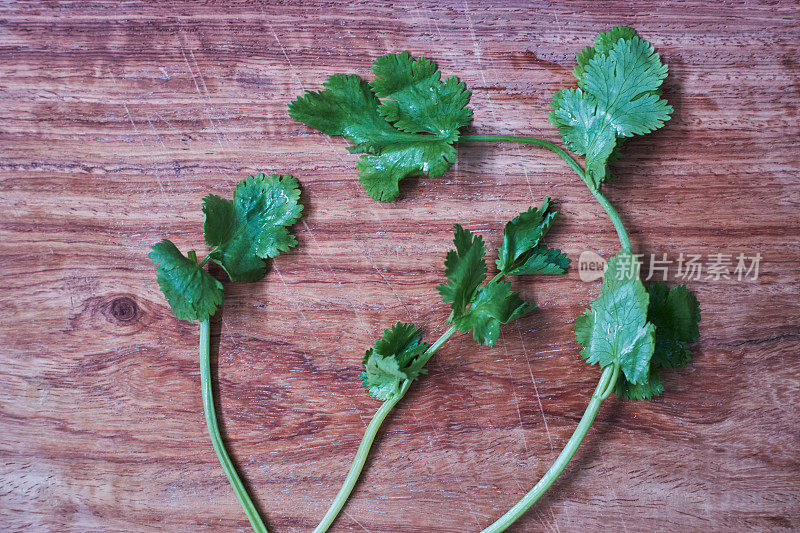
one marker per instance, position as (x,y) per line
(610,374)
(563,154)
(612,214)
(425,357)
(213,430)
(529,140)
(604,387)
(207,257)
(369,436)
(360,459)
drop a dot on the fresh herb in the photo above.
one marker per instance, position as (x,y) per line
(411,132)
(478,306)
(630,331)
(675,314)
(242,232)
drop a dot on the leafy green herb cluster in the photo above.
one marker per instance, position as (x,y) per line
(618,96)
(481,310)
(477,307)
(640,330)
(675,313)
(630,331)
(243,232)
(406,122)
(410,132)
(395,358)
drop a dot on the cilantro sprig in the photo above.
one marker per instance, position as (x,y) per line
(614,330)
(243,232)
(395,359)
(631,331)
(478,306)
(618,97)
(410,132)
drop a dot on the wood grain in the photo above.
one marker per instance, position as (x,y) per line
(117,118)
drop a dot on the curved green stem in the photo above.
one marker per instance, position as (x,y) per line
(213,431)
(612,214)
(563,154)
(612,383)
(606,383)
(529,140)
(201,264)
(496,277)
(369,437)
(425,357)
(360,459)
(610,374)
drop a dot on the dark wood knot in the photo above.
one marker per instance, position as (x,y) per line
(124,309)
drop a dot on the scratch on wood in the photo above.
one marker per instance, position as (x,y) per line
(516,401)
(525,172)
(302,88)
(294,298)
(141,143)
(335,277)
(535,387)
(368,255)
(476,46)
(207,94)
(200,93)
(155,132)
(351,517)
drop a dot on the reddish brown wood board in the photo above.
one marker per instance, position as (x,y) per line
(117,118)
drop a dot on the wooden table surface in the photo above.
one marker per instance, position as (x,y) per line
(116,118)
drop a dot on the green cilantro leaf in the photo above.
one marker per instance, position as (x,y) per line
(586,129)
(418,100)
(614,329)
(520,252)
(603,44)
(675,313)
(465,268)
(619,96)
(410,133)
(253,226)
(494,304)
(393,359)
(192,293)
(523,233)
(652,387)
(380,174)
(346,107)
(625,83)
(542,260)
